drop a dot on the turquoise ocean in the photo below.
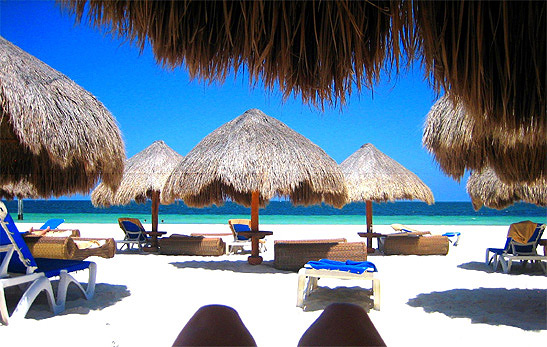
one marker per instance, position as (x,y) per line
(282,212)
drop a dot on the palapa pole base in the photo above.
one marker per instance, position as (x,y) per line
(254,260)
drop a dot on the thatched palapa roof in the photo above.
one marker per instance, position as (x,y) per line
(256,153)
(53,133)
(19,190)
(372,175)
(485,188)
(489,54)
(459,142)
(144,173)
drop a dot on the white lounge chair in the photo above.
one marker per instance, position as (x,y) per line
(518,251)
(35,272)
(325,268)
(240,242)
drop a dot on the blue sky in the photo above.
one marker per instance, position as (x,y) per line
(152,103)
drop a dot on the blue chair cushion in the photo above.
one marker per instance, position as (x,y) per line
(132,227)
(52,223)
(18,238)
(241,227)
(357,267)
(497,251)
(452,234)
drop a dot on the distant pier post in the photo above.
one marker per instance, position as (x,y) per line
(19,209)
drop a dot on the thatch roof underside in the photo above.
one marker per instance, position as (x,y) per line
(255,152)
(144,173)
(485,188)
(53,133)
(458,143)
(372,175)
(19,190)
(488,54)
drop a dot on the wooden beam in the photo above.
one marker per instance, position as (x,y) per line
(254,211)
(369,223)
(155,209)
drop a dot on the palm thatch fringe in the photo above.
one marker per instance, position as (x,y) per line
(19,190)
(372,175)
(458,143)
(144,173)
(485,188)
(320,49)
(53,133)
(488,54)
(255,153)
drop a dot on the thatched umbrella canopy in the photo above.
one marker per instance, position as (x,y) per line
(144,176)
(53,133)
(19,190)
(485,188)
(373,176)
(320,48)
(459,142)
(252,159)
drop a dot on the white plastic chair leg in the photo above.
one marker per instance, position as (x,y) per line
(38,286)
(300,288)
(66,279)
(376,293)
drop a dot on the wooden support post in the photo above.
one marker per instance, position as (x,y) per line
(19,209)
(369,226)
(254,259)
(155,209)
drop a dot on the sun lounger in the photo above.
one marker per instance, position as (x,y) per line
(521,245)
(239,242)
(19,267)
(74,248)
(191,245)
(135,234)
(294,254)
(309,275)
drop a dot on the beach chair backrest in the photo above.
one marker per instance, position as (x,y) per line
(132,231)
(52,223)
(9,234)
(239,225)
(530,247)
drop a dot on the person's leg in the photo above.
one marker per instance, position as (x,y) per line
(342,325)
(215,325)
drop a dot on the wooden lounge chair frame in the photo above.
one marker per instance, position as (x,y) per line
(308,278)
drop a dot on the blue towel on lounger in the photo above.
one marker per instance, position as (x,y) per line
(357,267)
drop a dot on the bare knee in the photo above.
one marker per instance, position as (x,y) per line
(342,324)
(215,325)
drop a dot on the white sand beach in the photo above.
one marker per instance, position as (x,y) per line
(146,299)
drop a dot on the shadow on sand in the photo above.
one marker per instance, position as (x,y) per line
(516,269)
(105,295)
(321,297)
(521,308)
(240,266)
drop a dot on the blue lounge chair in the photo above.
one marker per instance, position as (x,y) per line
(453,234)
(518,251)
(325,268)
(242,225)
(35,272)
(135,234)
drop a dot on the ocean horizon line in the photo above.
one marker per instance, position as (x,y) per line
(442,213)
